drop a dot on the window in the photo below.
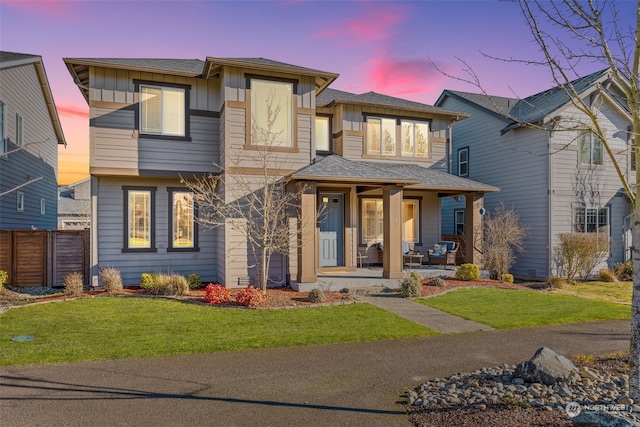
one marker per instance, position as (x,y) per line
(19,130)
(381,136)
(373,223)
(139,207)
(463,161)
(415,139)
(591,149)
(633,159)
(162,110)
(42,206)
(182,226)
(591,220)
(20,201)
(323,134)
(271,113)
(458,215)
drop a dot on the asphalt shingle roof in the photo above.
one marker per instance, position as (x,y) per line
(183,66)
(14,56)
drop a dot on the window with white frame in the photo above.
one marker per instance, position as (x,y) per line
(182,228)
(139,208)
(463,161)
(162,110)
(415,138)
(458,218)
(271,113)
(591,149)
(381,136)
(591,220)
(43,206)
(19,201)
(372,221)
(19,130)
(323,133)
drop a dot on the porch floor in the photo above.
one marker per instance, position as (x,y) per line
(369,277)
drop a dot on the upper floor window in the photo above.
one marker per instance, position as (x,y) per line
(633,160)
(381,136)
(162,110)
(591,220)
(323,133)
(19,130)
(43,205)
(271,113)
(19,201)
(591,149)
(415,141)
(463,161)
(182,228)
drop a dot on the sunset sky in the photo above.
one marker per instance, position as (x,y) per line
(386,47)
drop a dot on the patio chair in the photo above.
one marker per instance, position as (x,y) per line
(443,253)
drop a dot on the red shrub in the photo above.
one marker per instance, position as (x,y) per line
(251,297)
(216,294)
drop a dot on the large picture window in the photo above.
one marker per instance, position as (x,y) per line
(591,149)
(372,224)
(182,228)
(162,110)
(381,136)
(591,220)
(139,207)
(415,141)
(271,113)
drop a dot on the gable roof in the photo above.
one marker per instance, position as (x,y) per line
(337,168)
(332,96)
(14,59)
(532,109)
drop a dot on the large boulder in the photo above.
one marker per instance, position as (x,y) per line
(546,367)
(603,419)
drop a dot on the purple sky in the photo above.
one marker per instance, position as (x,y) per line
(374,45)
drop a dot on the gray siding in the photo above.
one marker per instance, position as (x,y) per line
(21,92)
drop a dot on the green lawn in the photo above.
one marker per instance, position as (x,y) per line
(117,328)
(613,292)
(507,308)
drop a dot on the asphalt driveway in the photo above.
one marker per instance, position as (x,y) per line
(356,384)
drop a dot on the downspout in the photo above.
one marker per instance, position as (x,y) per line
(550,207)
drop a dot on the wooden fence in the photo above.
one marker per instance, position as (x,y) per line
(43,257)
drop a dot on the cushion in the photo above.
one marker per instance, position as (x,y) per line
(439,249)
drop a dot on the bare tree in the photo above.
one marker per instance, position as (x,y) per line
(503,237)
(568,34)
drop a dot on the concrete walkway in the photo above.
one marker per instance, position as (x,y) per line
(437,320)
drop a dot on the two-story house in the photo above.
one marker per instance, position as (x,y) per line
(74,205)
(30,133)
(550,168)
(376,165)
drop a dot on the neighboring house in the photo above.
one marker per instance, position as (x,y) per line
(74,205)
(30,133)
(555,176)
(375,165)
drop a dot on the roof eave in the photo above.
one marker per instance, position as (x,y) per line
(51,106)
(355,180)
(458,115)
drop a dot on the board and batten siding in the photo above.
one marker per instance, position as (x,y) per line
(111,222)
(21,93)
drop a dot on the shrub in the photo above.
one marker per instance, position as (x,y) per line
(216,294)
(436,281)
(147,281)
(503,238)
(411,286)
(73,284)
(251,297)
(193,280)
(111,280)
(4,276)
(606,275)
(556,282)
(507,278)
(317,296)
(577,254)
(168,284)
(468,272)
(624,271)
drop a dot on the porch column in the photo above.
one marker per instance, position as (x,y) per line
(473,226)
(392,214)
(307,244)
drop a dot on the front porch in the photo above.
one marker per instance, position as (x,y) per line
(369,277)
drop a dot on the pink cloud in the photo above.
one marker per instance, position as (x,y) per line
(397,77)
(376,24)
(73,111)
(54,8)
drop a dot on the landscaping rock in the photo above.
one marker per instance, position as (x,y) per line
(603,419)
(546,367)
